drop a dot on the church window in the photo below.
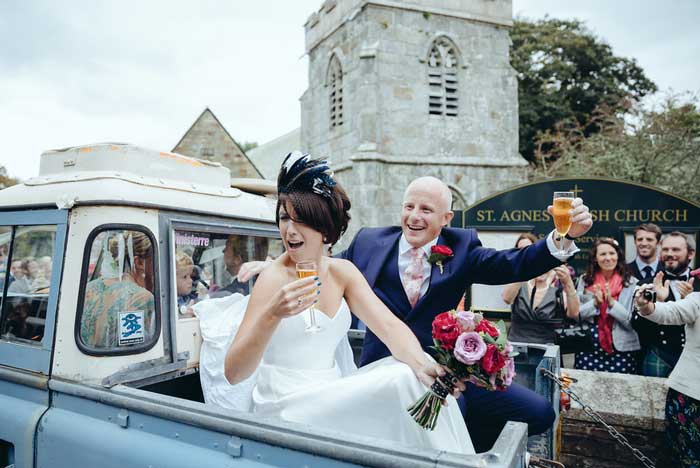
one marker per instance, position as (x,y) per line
(335,84)
(442,78)
(207,152)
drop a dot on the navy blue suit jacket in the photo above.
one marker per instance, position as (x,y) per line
(374,251)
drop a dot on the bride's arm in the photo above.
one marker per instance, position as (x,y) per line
(271,301)
(395,334)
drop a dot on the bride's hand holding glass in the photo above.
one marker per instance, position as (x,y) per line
(295,297)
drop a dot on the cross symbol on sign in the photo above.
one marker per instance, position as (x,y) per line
(576,191)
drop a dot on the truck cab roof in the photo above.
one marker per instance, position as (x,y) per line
(124,174)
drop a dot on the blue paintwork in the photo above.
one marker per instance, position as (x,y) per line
(38,358)
(80,432)
(21,408)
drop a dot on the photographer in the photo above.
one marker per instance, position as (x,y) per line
(662,344)
(683,398)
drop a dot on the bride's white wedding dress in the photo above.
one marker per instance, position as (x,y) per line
(298,380)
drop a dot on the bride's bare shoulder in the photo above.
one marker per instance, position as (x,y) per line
(343,269)
(272,277)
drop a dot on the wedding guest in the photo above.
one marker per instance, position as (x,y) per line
(118,291)
(683,397)
(538,306)
(183,282)
(662,344)
(605,292)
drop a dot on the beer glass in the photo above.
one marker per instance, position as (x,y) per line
(563,202)
(304,270)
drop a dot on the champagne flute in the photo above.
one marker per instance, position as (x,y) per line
(304,270)
(563,202)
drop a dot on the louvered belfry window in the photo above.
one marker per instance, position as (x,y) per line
(442,78)
(335,82)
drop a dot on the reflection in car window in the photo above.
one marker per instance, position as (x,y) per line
(26,253)
(118,305)
(206,264)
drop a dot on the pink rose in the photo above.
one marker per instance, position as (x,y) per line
(465,318)
(469,348)
(508,372)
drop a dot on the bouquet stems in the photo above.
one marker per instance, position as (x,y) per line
(426,410)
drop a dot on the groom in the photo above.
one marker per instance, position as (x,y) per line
(394,260)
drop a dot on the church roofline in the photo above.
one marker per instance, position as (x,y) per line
(233,140)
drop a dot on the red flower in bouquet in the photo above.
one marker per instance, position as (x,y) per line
(471,348)
(440,254)
(488,328)
(446,330)
(493,360)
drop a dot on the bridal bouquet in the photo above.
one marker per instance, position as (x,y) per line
(471,348)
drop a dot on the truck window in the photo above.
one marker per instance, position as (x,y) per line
(26,253)
(206,264)
(117,308)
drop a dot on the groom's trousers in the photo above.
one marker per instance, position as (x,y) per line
(486,412)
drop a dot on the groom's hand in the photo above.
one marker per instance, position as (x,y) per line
(581,220)
(430,371)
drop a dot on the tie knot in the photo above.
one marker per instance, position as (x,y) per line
(416,253)
(647,270)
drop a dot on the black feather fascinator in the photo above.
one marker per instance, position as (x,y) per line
(300,173)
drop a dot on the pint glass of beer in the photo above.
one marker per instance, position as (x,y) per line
(304,270)
(563,202)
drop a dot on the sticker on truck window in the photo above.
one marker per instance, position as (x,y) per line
(131,329)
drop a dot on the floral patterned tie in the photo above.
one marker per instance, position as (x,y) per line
(413,276)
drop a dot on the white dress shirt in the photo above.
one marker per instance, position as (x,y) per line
(640,264)
(673,284)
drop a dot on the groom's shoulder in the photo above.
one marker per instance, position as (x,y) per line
(459,234)
(375,233)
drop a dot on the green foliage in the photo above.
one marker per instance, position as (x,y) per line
(660,147)
(564,73)
(248,145)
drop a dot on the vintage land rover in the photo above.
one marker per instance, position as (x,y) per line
(113,230)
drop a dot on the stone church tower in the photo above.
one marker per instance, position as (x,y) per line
(404,88)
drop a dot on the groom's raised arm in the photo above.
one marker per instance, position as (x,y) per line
(490,266)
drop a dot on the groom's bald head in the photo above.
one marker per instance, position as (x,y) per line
(432,185)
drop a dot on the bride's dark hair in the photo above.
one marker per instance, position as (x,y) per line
(307,185)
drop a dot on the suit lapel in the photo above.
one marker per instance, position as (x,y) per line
(382,251)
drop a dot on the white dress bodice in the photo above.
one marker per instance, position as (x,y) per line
(293,348)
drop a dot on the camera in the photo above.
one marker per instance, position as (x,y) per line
(649,295)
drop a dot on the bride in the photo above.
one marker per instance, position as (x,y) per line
(298,379)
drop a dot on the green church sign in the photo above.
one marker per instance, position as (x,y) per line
(616,208)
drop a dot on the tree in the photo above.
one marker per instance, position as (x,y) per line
(659,147)
(6,180)
(248,145)
(564,73)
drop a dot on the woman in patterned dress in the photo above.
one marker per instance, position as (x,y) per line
(606,291)
(125,291)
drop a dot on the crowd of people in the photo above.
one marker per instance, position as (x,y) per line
(622,340)
(653,334)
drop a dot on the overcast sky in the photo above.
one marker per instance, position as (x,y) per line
(85,71)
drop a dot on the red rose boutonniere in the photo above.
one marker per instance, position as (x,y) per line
(440,254)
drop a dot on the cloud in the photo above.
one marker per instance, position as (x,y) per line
(86,71)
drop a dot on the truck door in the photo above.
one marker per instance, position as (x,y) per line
(31,260)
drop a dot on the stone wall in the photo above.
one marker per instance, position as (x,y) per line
(388,137)
(633,404)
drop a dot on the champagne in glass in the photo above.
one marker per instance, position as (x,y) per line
(563,202)
(304,270)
